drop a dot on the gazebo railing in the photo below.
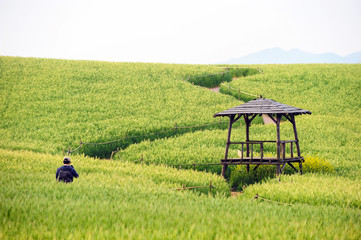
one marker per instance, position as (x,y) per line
(283,149)
(250,147)
(247,150)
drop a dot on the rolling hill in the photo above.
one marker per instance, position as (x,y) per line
(47,105)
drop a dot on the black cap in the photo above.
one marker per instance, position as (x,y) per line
(66,160)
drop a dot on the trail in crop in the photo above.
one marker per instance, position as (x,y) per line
(123,143)
(215,89)
(266,119)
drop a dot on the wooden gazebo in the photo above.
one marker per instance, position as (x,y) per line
(275,111)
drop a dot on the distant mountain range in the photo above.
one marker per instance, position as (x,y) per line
(280,56)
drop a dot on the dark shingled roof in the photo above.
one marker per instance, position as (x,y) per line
(262,106)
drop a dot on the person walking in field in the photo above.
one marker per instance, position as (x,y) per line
(66,173)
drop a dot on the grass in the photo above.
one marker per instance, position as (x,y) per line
(47,105)
(313,189)
(112,199)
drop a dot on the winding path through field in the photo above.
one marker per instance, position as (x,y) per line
(266,119)
(215,89)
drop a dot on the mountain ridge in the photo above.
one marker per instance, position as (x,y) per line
(293,56)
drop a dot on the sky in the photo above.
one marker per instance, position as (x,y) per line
(192,32)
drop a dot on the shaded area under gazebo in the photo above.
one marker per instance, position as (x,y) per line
(275,111)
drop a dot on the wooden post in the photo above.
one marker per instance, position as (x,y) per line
(242,152)
(297,142)
(278,171)
(296,137)
(278,136)
(246,120)
(231,118)
(210,187)
(141,159)
(175,128)
(252,151)
(194,166)
(279,116)
(247,135)
(283,150)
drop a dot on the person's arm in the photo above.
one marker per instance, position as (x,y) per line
(57,174)
(75,174)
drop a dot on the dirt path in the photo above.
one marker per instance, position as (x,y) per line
(215,89)
(267,119)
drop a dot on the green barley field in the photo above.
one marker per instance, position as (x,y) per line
(49,105)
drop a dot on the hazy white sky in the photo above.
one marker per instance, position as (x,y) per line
(194,31)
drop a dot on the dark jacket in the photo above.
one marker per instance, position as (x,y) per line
(72,174)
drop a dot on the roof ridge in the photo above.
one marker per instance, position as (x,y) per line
(262,106)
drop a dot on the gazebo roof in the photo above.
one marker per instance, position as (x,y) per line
(262,106)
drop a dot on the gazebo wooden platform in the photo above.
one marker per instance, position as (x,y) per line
(275,111)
